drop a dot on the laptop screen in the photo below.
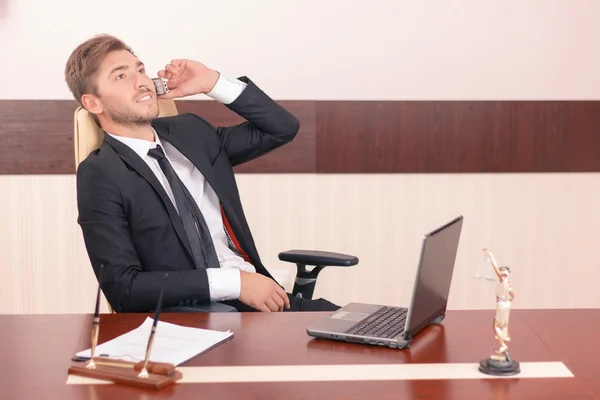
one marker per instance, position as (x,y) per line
(434,275)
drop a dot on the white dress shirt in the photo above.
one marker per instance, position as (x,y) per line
(224,282)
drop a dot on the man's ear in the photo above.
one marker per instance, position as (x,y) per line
(92,104)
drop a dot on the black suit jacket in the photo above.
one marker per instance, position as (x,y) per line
(129,224)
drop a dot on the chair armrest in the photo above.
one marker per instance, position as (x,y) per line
(306,280)
(320,258)
(209,307)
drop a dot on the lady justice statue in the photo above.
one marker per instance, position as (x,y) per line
(499,363)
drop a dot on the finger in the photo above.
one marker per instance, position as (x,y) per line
(263,307)
(164,74)
(278,297)
(172,83)
(172,94)
(272,305)
(172,69)
(284,296)
(278,300)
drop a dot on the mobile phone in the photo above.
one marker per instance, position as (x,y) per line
(161,86)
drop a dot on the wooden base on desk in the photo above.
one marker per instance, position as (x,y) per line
(125,376)
(500,365)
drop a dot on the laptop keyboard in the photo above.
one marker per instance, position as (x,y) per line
(388,323)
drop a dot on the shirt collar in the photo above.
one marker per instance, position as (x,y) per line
(140,146)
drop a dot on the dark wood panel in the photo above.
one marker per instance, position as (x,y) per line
(453,136)
(37,137)
(357,136)
(40,347)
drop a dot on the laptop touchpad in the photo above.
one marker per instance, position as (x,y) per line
(349,316)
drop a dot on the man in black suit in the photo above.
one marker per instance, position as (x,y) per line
(160,195)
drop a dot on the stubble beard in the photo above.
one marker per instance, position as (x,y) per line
(128,117)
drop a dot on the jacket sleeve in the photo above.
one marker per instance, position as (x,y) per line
(113,256)
(268,126)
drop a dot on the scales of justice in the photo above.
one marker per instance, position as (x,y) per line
(499,363)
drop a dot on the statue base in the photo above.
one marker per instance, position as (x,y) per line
(500,365)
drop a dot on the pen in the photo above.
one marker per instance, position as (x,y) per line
(144,373)
(91,364)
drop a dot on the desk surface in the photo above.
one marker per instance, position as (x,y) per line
(36,349)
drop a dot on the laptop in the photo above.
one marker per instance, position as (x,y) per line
(395,327)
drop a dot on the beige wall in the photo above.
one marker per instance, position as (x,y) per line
(544,226)
(316,49)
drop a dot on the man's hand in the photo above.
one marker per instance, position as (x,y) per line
(262,293)
(187,78)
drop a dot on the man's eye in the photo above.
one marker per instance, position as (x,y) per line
(121,76)
(142,71)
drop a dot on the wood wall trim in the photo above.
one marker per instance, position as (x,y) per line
(36,137)
(458,136)
(357,136)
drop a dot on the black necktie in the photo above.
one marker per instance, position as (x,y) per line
(191,216)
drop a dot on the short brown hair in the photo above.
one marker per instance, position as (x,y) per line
(84,62)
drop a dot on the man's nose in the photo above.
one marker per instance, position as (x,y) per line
(143,83)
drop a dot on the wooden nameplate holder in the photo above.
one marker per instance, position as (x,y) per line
(156,375)
(127,373)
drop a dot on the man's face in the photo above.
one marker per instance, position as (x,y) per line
(126,94)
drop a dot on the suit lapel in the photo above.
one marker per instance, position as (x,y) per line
(194,151)
(131,158)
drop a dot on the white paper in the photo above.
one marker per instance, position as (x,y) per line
(172,343)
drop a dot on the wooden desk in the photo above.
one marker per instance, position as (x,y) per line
(35,353)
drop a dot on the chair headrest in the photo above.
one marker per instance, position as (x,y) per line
(88,135)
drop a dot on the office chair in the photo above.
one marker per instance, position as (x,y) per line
(88,136)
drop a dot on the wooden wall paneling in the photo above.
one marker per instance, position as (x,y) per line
(36,137)
(356,136)
(458,137)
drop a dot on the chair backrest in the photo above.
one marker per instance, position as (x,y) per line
(88,135)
